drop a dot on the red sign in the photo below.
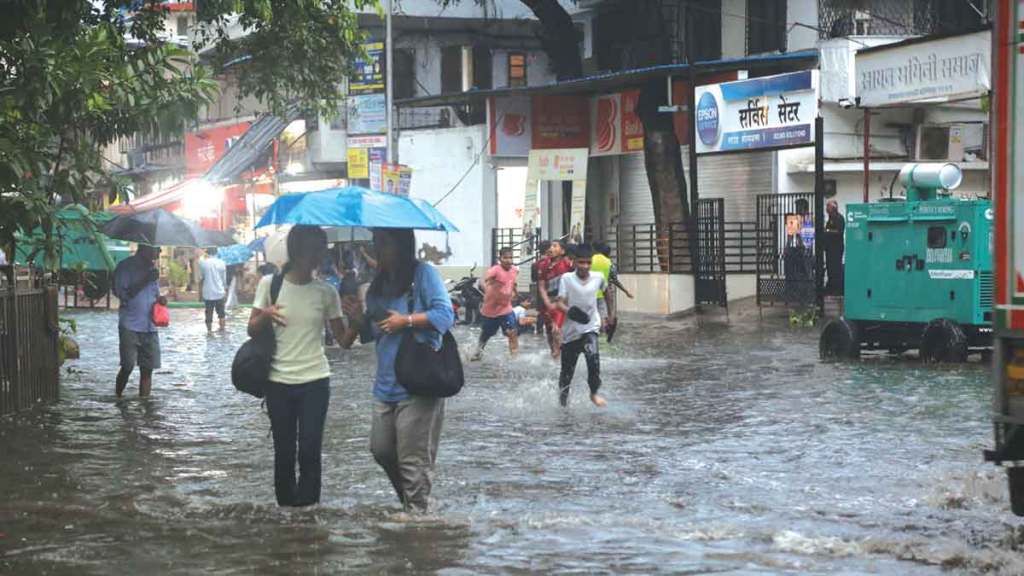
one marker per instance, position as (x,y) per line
(560,122)
(632,127)
(204,147)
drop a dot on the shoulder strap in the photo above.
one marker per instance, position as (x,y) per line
(275,287)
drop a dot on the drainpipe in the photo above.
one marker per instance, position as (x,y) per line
(867,154)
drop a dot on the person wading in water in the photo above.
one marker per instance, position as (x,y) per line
(406,429)
(298,393)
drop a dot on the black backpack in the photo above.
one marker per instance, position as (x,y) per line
(250,370)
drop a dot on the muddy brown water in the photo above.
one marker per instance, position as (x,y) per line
(724,449)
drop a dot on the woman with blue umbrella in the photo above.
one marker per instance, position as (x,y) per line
(406,295)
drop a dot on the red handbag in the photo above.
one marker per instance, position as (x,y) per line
(161,315)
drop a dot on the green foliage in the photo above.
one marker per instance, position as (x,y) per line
(806,318)
(67,347)
(77,75)
(177,275)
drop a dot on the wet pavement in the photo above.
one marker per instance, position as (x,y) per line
(724,449)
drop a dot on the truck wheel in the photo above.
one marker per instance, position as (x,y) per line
(1015,476)
(943,341)
(839,340)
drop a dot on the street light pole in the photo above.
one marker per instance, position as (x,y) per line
(389,85)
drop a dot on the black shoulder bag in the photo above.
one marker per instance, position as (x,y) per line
(424,371)
(250,370)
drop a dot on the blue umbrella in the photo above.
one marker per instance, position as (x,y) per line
(234,254)
(355,206)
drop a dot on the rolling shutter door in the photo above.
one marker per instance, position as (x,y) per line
(738,178)
(636,206)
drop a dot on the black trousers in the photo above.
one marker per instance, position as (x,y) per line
(297,416)
(212,305)
(588,346)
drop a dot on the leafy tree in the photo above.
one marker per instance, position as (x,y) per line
(76,75)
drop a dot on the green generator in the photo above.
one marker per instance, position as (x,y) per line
(918,272)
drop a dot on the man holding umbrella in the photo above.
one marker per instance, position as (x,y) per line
(136,285)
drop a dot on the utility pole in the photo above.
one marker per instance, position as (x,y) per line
(389,85)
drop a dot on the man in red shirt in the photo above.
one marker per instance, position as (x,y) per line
(499,289)
(549,276)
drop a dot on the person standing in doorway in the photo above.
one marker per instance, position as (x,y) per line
(577,298)
(499,289)
(298,392)
(551,271)
(835,226)
(213,278)
(405,295)
(137,287)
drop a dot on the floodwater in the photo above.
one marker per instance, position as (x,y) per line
(724,449)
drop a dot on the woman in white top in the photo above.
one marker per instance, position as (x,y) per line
(298,393)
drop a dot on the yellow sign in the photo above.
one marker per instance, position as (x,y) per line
(358,163)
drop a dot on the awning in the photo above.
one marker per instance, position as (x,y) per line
(613,80)
(156,200)
(250,146)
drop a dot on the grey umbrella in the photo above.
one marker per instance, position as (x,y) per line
(159,227)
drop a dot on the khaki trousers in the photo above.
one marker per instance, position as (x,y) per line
(403,439)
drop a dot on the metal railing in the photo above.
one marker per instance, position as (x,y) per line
(644,249)
(29,370)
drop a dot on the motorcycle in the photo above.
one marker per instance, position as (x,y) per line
(466,298)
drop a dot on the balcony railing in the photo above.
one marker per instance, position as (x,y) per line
(841,18)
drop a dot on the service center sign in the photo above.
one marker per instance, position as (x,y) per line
(757,114)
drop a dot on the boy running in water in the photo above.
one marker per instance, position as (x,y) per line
(577,298)
(499,289)
(551,270)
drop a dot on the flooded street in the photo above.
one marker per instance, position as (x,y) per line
(724,449)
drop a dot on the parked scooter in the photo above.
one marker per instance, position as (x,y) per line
(467,297)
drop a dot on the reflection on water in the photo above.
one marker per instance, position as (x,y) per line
(723,449)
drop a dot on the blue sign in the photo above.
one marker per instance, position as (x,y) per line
(707,119)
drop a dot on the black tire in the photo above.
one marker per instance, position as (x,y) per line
(1015,477)
(839,340)
(943,341)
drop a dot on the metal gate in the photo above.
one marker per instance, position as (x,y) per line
(710,269)
(523,244)
(786,264)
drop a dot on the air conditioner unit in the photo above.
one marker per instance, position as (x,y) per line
(940,143)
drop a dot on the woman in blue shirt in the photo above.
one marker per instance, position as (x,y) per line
(406,429)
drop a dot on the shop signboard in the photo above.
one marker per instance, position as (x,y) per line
(557,165)
(367,114)
(369,75)
(934,71)
(369,141)
(560,121)
(615,127)
(508,122)
(757,114)
(204,147)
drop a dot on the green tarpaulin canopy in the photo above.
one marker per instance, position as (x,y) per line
(82,245)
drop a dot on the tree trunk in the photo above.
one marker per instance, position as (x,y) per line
(559,37)
(662,158)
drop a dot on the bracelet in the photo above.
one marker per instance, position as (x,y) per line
(409,318)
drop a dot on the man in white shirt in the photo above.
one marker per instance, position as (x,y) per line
(213,279)
(577,297)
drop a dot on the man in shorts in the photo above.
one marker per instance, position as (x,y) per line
(136,285)
(551,270)
(499,289)
(214,281)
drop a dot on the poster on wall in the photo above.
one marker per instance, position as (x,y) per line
(377,157)
(358,163)
(508,122)
(757,114)
(369,72)
(396,178)
(367,114)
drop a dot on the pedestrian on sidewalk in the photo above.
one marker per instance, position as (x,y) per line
(137,287)
(551,271)
(405,295)
(577,299)
(499,290)
(298,393)
(213,278)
